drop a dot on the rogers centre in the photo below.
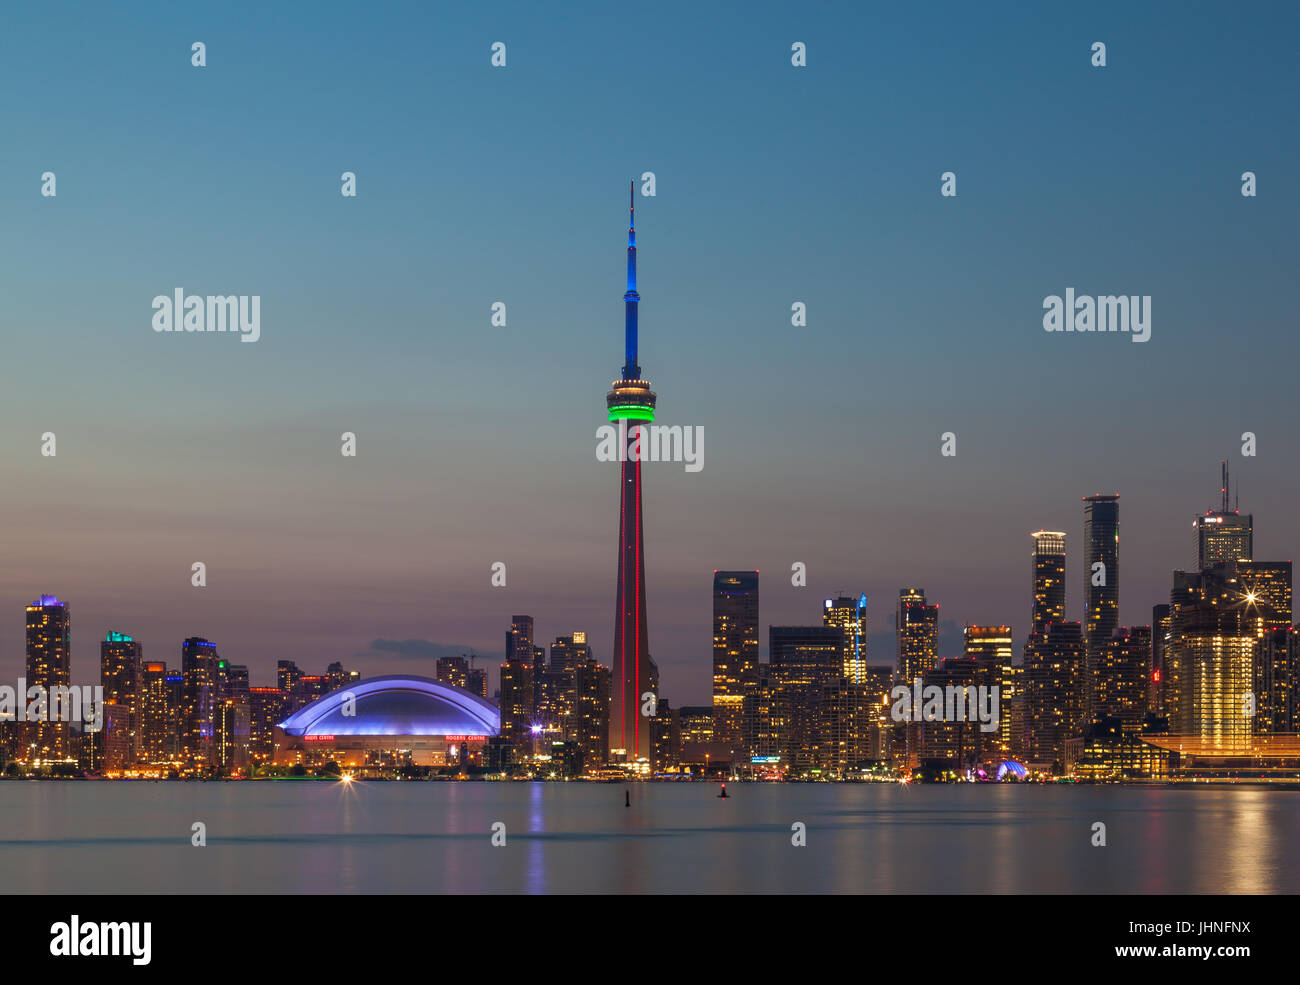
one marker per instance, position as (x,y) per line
(385,721)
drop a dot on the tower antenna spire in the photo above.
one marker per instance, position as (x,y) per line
(631,371)
(1224,470)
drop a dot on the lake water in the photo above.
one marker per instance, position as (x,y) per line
(404,837)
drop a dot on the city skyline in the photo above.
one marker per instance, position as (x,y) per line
(923,316)
(1090,699)
(1220,690)
(952,439)
(948,644)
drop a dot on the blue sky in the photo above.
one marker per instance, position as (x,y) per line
(774,185)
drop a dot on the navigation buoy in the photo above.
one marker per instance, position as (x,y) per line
(723,795)
(627,798)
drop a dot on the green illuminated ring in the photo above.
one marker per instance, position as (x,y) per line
(631,412)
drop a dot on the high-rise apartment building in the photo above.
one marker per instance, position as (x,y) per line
(806,663)
(917,631)
(1277,678)
(1100,583)
(1160,636)
(1054,675)
(453,671)
(266,710)
(989,647)
(231,735)
(49,660)
(199,703)
(1218,617)
(592,689)
(1122,681)
(1048,562)
(517,706)
(569,654)
(850,615)
(155,715)
(287,676)
(121,675)
(735,655)
(665,738)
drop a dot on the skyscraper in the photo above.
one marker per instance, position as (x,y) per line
(266,710)
(198,703)
(477,682)
(1054,664)
(806,662)
(1161,628)
(957,744)
(175,683)
(990,649)
(518,702)
(631,404)
(1218,618)
(569,654)
(1048,560)
(1266,583)
(519,639)
(1121,688)
(918,634)
(49,655)
(287,676)
(120,671)
(1100,583)
(735,653)
(338,677)
(851,616)
(1223,535)
(453,671)
(666,738)
(1277,675)
(592,689)
(236,682)
(231,744)
(154,714)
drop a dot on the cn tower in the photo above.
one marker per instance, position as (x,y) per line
(631,405)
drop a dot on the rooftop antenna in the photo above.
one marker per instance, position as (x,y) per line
(1223,467)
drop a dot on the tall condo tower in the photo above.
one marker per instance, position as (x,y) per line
(1100,585)
(917,631)
(735,655)
(631,405)
(1049,579)
(49,657)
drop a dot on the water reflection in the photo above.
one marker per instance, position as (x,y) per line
(579,837)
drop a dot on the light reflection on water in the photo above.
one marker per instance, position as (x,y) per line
(316,837)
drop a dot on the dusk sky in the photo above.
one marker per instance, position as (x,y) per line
(775,184)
